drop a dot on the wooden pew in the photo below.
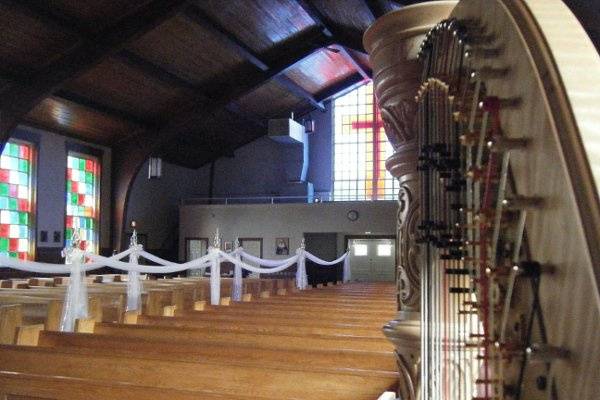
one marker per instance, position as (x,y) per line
(231,378)
(20,386)
(221,350)
(290,320)
(288,341)
(304,314)
(274,328)
(37,310)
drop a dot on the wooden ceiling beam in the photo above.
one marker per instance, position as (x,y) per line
(348,38)
(314,13)
(153,70)
(225,90)
(203,19)
(19,98)
(366,73)
(234,108)
(344,86)
(36,10)
(200,17)
(103,109)
(89,104)
(299,91)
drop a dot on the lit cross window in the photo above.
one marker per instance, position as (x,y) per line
(360,149)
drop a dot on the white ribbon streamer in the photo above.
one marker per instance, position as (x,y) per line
(215,276)
(236,295)
(151,269)
(317,260)
(346,270)
(134,286)
(75,305)
(263,262)
(289,262)
(301,276)
(47,268)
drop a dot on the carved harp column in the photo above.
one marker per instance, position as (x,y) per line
(393,44)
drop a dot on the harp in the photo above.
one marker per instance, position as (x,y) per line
(492,108)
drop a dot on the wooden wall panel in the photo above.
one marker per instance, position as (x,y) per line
(123,87)
(321,70)
(260,24)
(187,50)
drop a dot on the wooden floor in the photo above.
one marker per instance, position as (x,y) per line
(324,343)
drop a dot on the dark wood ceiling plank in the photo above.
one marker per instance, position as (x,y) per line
(46,16)
(379,8)
(118,116)
(261,24)
(201,18)
(153,70)
(62,116)
(102,108)
(19,98)
(234,108)
(299,91)
(366,72)
(341,87)
(316,15)
(347,37)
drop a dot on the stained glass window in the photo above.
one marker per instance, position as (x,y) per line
(360,149)
(82,216)
(16,222)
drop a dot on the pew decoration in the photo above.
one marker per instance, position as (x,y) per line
(79,261)
(134,283)
(75,305)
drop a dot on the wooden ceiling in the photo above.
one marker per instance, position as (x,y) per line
(180,70)
(202,73)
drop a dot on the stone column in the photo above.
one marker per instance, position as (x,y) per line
(392,43)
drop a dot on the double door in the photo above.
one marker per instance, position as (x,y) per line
(373,260)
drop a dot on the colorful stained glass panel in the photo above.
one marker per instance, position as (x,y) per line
(15,200)
(82,201)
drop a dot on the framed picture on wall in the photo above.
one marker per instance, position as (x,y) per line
(282,246)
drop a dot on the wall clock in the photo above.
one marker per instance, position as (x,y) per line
(352,215)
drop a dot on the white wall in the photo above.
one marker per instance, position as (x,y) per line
(270,221)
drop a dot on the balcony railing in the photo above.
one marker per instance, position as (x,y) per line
(317,198)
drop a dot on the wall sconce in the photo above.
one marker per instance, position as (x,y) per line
(309,124)
(154,168)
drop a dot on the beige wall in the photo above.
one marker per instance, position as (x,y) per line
(270,221)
